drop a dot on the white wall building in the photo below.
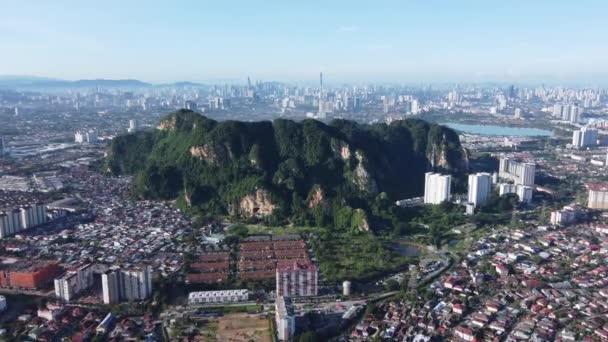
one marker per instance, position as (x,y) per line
(136,283)
(285,319)
(109,285)
(79,137)
(224,296)
(85,137)
(524,192)
(16,220)
(133,126)
(480,188)
(563,217)
(519,173)
(598,196)
(584,137)
(132,284)
(437,188)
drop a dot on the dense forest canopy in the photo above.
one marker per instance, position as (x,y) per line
(307,172)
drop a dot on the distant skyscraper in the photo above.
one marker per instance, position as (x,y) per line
(321,85)
(2,146)
(437,188)
(91,137)
(190,105)
(415,107)
(132,126)
(566,110)
(584,137)
(502,102)
(557,110)
(480,187)
(517,113)
(575,114)
(512,92)
(79,137)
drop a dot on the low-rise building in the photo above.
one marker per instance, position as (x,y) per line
(223,296)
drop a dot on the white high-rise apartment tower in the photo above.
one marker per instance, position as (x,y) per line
(437,188)
(132,126)
(480,187)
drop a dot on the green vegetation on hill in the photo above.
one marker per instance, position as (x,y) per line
(344,175)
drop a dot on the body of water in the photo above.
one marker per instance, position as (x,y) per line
(498,130)
(405,248)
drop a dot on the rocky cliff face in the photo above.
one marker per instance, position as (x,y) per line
(167,124)
(204,152)
(363,224)
(341,149)
(257,203)
(316,197)
(361,176)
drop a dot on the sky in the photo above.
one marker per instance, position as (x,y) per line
(406,40)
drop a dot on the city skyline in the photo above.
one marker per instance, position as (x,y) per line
(411,42)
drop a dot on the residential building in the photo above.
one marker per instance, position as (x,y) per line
(437,188)
(480,188)
(85,137)
(584,137)
(506,188)
(16,220)
(27,274)
(131,284)
(109,285)
(79,138)
(563,217)
(524,192)
(598,196)
(285,318)
(136,283)
(415,107)
(223,296)
(296,278)
(73,282)
(518,172)
(133,127)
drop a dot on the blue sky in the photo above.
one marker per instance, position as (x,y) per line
(378,40)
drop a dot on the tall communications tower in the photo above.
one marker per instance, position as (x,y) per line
(321,82)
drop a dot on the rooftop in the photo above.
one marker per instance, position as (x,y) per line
(603,187)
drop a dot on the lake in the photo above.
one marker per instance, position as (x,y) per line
(408,249)
(498,130)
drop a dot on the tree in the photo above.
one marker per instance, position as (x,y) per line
(239,230)
(309,336)
(391,285)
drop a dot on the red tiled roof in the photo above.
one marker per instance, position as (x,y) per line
(597,187)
